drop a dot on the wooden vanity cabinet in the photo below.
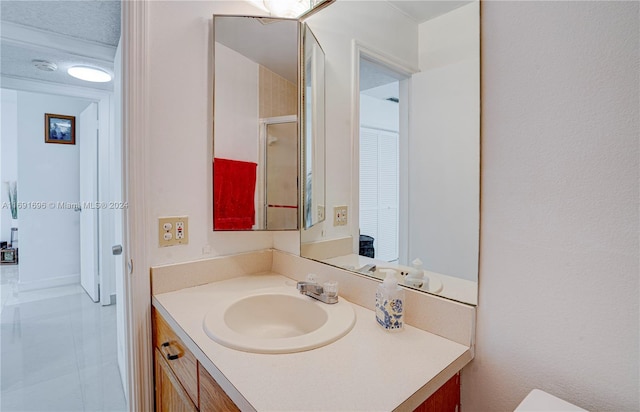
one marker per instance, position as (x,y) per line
(181,383)
(445,399)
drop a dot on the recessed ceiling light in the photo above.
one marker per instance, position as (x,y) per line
(45,65)
(89,74)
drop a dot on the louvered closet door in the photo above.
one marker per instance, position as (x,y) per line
(379,190)
(369,184)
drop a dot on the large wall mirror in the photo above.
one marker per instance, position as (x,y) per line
(403,141)
(256,128)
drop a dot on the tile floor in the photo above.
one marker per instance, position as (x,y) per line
(57,350)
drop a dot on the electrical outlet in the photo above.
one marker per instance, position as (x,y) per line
(173,231)
(179,230)
(340,217)
(320,213)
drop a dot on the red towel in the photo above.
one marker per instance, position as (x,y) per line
(234,185)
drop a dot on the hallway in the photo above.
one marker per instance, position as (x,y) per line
(57,350)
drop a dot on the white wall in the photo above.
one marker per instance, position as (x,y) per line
(236,112)
(444,151)
(179,163)
(8,155)
(558,304)
(375,24)
(49,239)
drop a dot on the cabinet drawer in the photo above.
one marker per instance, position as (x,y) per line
(181,361)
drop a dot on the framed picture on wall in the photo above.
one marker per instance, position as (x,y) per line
(9,256)
(59,128)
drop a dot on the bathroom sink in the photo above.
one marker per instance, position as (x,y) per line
(278,321)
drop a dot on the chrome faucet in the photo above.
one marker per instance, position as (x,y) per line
(312,289)
(367,269)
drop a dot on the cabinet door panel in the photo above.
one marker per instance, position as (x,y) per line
(212,397)
(170,395)
(445,399)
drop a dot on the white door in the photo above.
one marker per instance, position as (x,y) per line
(105,214)
(88,142)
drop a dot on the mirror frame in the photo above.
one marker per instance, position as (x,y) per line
(298,114)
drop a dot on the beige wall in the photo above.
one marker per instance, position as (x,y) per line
(278,96)
(558,304)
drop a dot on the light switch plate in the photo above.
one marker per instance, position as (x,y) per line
(173,231)
(340,216)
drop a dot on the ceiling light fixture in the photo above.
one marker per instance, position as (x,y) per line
(89,74)
(45,65)
(287,8)
(293,8)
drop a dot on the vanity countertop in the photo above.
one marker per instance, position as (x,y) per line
(369,369)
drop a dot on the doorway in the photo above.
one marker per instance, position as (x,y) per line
(43,302)
(383,103)
(37,56)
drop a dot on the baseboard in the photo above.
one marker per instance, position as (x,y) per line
(49,283)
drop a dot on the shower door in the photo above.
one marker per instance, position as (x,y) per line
(281,173)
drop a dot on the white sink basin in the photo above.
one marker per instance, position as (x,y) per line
(280,321)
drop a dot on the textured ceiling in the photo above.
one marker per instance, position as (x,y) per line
(67,33)
(16,62)
(94,20)
(98,21)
